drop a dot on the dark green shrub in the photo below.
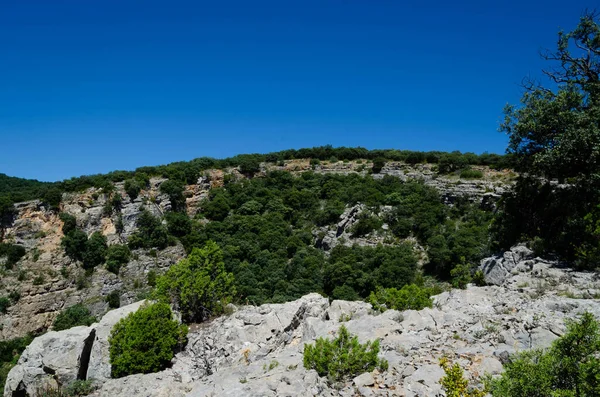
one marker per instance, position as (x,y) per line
(378,165)
(95,251)
(52,198)
(461,275)
(132,188)
(409,297)
(117,255)
(479,278)
(144,341)
(69,222)
(365,225)
(344,357)
(178,223)
(74,244)
(216,209)
(151,233)
(152,278)
(4,304)
(198,285)
(174,189)
(13,254)
(114,299)
(72,317)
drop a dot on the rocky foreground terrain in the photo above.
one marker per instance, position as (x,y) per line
(257,351)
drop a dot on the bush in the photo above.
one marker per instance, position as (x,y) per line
(95,251)
(461,275)
(343,357)
(144,341)
(454,384)
(114,299)
(378,165)
(4,304)
(468,173)
(79,388)
(74,244)
(72,317)
(365,225)
(409,297)
(198,286)
(571,367)
(174,189)
(117,255)
(13,254)
(150,234)
(69,222)
(52,197)
(151,278)
(132,188)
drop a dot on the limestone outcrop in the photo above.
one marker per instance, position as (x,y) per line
(258,351)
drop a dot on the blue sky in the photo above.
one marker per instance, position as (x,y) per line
(93,86)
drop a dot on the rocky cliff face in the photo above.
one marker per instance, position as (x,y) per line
(47,281)
(257,351)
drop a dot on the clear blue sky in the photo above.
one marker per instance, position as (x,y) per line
(93,86)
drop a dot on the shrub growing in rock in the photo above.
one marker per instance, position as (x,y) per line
(95,251)
(114,299)
(454,384)
(132,188)
(12,252)
(72,317)
(344,357)
(145,341)
(198,286)
(409,297)
(4,304)
(117,255)
(571,367)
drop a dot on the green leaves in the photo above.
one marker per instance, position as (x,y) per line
(409,297)
(344,357)
(198,286)
(571,367)
(72,317)
(555,135)
(144,341)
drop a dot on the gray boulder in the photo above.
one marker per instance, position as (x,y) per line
(53,359)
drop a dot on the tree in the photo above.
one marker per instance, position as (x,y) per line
(95,251)
(378,165)
(198,286)
(555,135)
(144,341)
(174,189)
(116,256)
(150,232)
(52,197)
(132,188)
